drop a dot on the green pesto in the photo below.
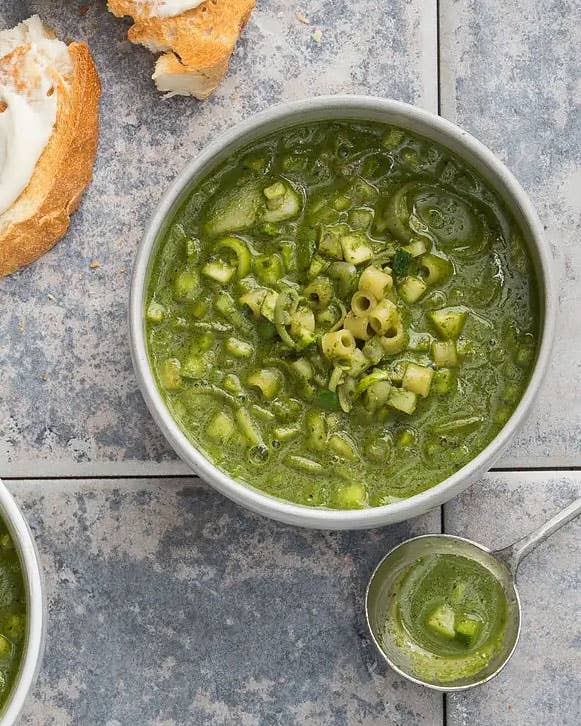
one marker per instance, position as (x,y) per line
(12,614)
(448,617)
(263,260)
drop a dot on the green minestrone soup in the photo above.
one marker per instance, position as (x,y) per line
(342,314)
(12,614)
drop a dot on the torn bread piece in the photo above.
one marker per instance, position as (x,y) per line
(49,104)
(195,37)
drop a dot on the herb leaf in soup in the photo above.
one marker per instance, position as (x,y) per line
(342,315)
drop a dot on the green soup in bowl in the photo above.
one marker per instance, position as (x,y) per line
(342,314)
(12,614)
(342,311)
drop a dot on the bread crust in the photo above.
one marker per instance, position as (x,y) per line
(41,214)
(196,44)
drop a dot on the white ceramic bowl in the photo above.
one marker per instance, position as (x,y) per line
(35,606)
(324,109)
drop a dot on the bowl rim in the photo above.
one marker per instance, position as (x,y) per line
(36,606)
(349,107)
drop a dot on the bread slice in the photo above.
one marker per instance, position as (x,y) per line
(39,216)
(196,44)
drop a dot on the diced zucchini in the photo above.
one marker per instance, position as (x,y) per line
(303,338)
(254,300)
(170,374)
(330,241)
(524,356)
(441,621)
(362,191)
(268,305)
(303,369)
(360,218)
(238,348)
(248,427)
(318,265)
(351,496)
(194,366)
(232,383)
(199,309)
(444,353)
(435,269)
(376,375)
(341,203)
(218,271)
(268,380)
(356,248)
(392,138)
(417,379)
(316,431)
(402,400)
(220,428)
(236,211)
(155,312)
(5,646)
(268,268)
(286,433)
(411,289)
(303,319)
(202,342)
(263,413)
(405,439)
(336,378)
(274,191)
(377,395)
(373,350)
(287,252)
(283,206)
(467,630)
(303,464)
(449,322)
(358,362)
(185,285)
(225,305)
(416,247)
(341,446)
(443,381)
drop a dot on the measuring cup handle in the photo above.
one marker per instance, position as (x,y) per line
(515,553)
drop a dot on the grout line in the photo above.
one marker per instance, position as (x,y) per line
(192,475)
(438,59)
(534,468)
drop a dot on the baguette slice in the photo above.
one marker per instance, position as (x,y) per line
(196,44)
(40,215)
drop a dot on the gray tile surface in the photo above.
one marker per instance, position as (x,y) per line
(542,682)
(168,606)
(511,74)
(87,417)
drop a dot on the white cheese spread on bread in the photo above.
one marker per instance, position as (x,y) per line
(168,8)
(31,66)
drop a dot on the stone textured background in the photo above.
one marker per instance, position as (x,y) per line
(168,605)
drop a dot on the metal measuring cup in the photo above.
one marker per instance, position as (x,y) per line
(502,563)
